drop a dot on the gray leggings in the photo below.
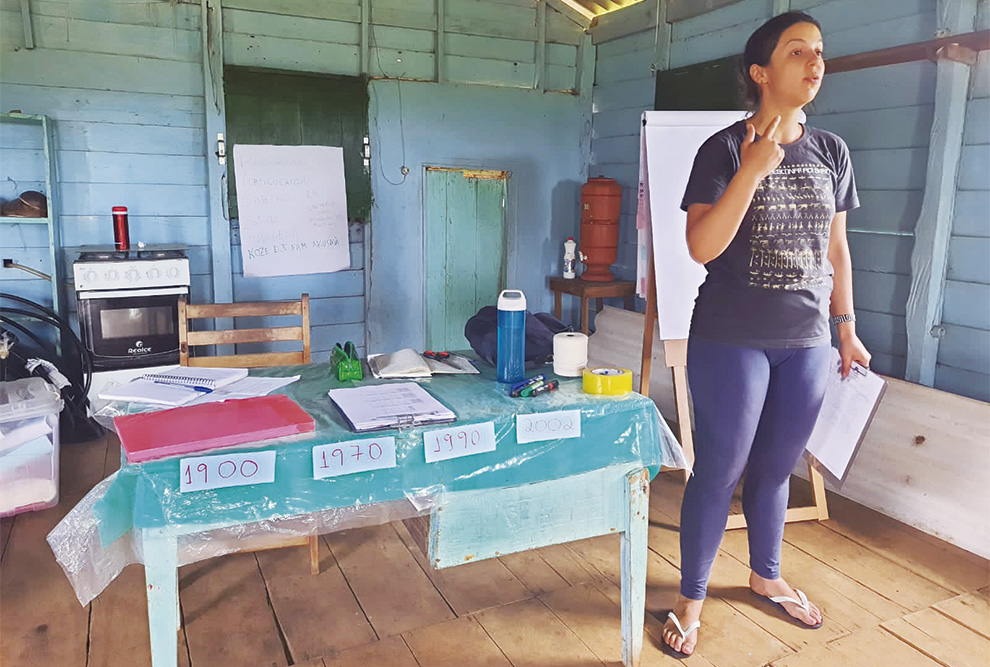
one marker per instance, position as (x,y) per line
(754,409)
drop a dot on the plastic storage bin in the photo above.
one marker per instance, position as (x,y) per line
(29,445)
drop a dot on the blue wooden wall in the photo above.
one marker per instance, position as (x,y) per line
(885,115)
(124,85)
(964,353)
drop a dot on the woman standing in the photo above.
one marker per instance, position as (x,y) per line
(766,214)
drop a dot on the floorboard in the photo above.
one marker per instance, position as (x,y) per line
(228,619)
(391,651)
(319,615)
(530,635)
(971,610)
(891,596)
(870,648)
(941,638)
(455,643)
(394,592)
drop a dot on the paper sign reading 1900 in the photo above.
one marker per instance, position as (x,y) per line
(345,458)
(548,426)
(451,443)
(216,472)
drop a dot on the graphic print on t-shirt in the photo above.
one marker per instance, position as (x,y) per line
(791,216)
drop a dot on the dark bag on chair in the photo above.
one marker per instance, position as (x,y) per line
(482,332)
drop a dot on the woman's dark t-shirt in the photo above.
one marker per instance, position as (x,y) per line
(770,288)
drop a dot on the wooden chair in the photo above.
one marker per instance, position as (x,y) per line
(191,339)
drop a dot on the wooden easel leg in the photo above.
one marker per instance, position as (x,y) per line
(675,353)
(818,491)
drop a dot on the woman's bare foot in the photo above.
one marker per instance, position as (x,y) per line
(687,612)
(777,587)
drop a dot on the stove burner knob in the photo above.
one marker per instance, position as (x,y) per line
(91,276)
(132,275)
(154,274)
(173,272)
(112,275)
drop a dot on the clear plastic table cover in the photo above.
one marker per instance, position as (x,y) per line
(103,533)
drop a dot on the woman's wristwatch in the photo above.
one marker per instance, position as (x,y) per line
(839,319)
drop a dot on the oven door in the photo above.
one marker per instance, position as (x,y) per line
(131,328)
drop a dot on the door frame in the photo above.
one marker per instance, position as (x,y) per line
(507,236)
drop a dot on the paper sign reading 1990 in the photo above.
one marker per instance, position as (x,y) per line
(451,443)
(345,458)
(548,426)
(217,472)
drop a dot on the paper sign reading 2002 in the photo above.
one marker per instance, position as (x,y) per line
(217,472)
(345,458)
(548,426)
(451,443)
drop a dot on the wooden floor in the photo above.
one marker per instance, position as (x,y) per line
(891,596)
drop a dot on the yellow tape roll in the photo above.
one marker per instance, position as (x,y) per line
(607,381)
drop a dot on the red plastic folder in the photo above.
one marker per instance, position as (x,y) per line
(155,435)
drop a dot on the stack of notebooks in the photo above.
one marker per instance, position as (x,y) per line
(183,385)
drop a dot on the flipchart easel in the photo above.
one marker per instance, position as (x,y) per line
(673,171)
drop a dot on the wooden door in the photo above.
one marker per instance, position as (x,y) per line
(465,250)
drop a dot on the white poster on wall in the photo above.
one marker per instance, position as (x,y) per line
(292,209)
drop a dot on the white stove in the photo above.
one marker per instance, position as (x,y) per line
(128,305)
(127,270)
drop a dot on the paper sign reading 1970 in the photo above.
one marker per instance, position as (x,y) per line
(548,426)
(199,473)
(457,441)
(345,458)
(292,209)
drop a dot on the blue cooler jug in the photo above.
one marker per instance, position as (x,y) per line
(511,359)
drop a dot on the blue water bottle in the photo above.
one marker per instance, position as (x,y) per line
(511,360)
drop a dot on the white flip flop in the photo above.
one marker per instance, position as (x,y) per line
(802,602)
(683,632)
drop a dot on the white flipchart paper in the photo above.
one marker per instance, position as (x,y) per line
(292,209)
(670,140)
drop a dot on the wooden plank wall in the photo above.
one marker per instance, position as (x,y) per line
(884,115)
(963,362)
(124,83)
(486,41)
(123,86)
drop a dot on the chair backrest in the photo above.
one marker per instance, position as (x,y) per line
(189,339)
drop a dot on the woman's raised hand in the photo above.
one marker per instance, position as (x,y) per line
(763,156)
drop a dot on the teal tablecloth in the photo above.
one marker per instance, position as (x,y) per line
(99,535)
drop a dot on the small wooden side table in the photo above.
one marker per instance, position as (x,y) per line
(588,290)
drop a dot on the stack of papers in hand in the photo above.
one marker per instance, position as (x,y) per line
(381,406)
(410,364)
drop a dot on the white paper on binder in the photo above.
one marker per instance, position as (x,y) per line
(845,415)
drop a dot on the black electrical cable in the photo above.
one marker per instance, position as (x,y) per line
(63,325)
(80,378)
(84,372)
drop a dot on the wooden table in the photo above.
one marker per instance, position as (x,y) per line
(593,480)
(587,290)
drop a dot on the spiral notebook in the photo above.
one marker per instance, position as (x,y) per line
(196,376)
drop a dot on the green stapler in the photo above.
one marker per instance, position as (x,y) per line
(346,362)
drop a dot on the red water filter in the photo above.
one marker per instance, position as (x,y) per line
(121,237)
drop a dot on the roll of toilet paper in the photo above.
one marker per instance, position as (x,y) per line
(570,353)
